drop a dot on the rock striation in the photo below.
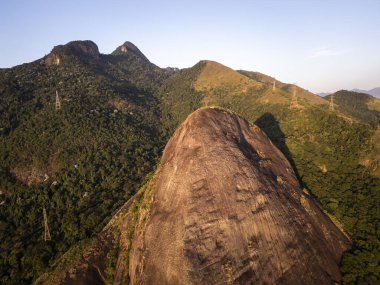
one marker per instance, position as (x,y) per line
(228,209)
(224,207)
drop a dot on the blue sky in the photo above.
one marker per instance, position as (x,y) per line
(323,45)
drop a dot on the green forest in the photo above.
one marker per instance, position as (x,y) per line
(85,160)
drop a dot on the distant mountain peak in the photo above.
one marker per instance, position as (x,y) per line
(129,47)
(216,75)
(375,92)
(323,94)
(86,46)
(77,48)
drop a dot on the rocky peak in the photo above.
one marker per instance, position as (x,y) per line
(228,209)
(225,207)
(129,47)
(86,47)
(75,48)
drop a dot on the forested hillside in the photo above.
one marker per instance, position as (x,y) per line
(80,162)
(360,106)
(326,148)
(84,160)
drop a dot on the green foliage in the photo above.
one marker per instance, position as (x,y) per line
(356,105)
(96,151)
(325,151)
(117,112)
(324,148)
(111,265)
(179,98)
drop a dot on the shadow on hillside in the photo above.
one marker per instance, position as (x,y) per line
(269,124)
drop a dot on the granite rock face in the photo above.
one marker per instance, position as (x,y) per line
(228,209)
(224,207)
(52,59)
(74,48)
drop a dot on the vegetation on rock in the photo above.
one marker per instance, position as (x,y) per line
(84,161)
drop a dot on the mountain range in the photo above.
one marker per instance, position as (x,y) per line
(246,189)
(375,92)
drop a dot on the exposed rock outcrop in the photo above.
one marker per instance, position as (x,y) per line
(228,209)
(129,47)
(225,207)
(74,48)
(52,59)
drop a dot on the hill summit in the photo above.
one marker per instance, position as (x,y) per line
(129,47)
(83,154)
(75,48)
(225,207)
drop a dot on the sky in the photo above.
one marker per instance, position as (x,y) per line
(320,45)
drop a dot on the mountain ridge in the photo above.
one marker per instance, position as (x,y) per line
(361,106)
(129,47)
(77,48)
(375,92)
(118,111)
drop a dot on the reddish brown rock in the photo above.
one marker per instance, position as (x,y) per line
(228,209)
(225,207)
(52,59)
(74,48)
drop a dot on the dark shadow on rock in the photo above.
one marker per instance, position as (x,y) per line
(269,124)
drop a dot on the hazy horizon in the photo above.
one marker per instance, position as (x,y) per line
(323,46)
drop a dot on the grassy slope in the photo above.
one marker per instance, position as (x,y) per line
(324,147)
(365,109)
(360,106)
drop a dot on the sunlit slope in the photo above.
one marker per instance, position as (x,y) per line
(326,147)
